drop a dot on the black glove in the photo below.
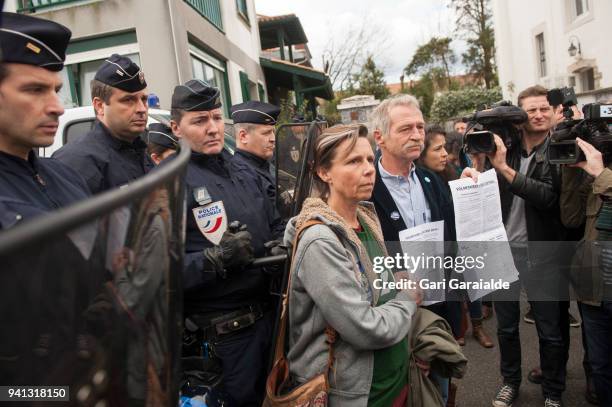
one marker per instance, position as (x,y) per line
(233,252)
(275,248)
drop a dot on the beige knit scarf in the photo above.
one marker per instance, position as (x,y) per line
(315,207)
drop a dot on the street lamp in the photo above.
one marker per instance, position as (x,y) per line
(573,50)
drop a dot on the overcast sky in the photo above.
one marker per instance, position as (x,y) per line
(405,23)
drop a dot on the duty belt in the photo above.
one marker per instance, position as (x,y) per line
(221,323)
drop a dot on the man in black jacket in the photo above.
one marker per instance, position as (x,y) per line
(112,154)
(530,211)
(406,195)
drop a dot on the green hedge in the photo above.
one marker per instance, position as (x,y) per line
(456,103)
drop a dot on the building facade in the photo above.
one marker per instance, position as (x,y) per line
(357,109)
(554,43)
(172,40)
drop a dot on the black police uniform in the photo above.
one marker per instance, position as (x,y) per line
(36,186)
(235,312)
(161,135)
(37,295)
(104,160)
(260,167)
(255,112)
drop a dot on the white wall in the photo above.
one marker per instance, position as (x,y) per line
(10,5)
(516,24)
(245,36)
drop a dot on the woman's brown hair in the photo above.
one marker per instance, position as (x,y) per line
(326,149)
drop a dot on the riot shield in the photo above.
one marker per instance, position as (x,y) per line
(292,157)
(90,297)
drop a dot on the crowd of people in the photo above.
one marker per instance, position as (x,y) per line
(377,346)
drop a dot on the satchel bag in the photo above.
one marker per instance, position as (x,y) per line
(313,393)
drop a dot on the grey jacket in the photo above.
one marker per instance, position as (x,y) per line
(327,288)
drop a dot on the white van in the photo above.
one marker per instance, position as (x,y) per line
(76,122)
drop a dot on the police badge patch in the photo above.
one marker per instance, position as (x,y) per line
(295,154)
(211,220)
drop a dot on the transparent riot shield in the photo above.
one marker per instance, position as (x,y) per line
(90,297)
(293,157)
(293,153)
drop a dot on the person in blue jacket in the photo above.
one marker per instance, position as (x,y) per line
(224,296)
(254,123)
(38,297)
(113,154)
(33,53)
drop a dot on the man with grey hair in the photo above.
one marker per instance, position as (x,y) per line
(405,195)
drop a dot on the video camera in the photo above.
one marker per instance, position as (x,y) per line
(501,118)
(594,129)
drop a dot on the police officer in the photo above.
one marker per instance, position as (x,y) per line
(224,296)
(33,53)
(112,154)
(255,140)
(161,143)
(38,298)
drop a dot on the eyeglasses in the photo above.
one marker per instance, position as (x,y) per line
(543,110)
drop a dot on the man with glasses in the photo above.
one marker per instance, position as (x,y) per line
(530,211)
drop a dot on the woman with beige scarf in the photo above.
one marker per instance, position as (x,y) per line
(333,282)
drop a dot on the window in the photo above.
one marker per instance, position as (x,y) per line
(210,10)
(77,129)
(580,7)
(213,71)
(587,80)
(243,11)
(541,49)
(571,81)
(77,78)
(262,92)
(244,87)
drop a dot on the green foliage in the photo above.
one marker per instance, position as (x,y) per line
(457,103)
(330,108)
(370,81)
(475,26)
(434,55)
(287,110)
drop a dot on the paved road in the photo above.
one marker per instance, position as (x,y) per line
(479,385)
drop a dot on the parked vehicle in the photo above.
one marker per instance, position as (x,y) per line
(76,122)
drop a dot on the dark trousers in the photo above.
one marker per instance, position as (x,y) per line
(551,318)
(598,332)
(244,357)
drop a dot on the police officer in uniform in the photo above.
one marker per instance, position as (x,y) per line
(254,123)
(161,143)
(224,296)
(33,53)
(37,295)
(113,154)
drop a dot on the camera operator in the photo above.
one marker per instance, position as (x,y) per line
(586,197)
(530,212)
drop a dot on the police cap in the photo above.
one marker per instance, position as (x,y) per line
(255,112)
(196,95)
(33,41)
(121,73)
(161,134)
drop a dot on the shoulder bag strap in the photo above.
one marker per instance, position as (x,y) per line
(330,332)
